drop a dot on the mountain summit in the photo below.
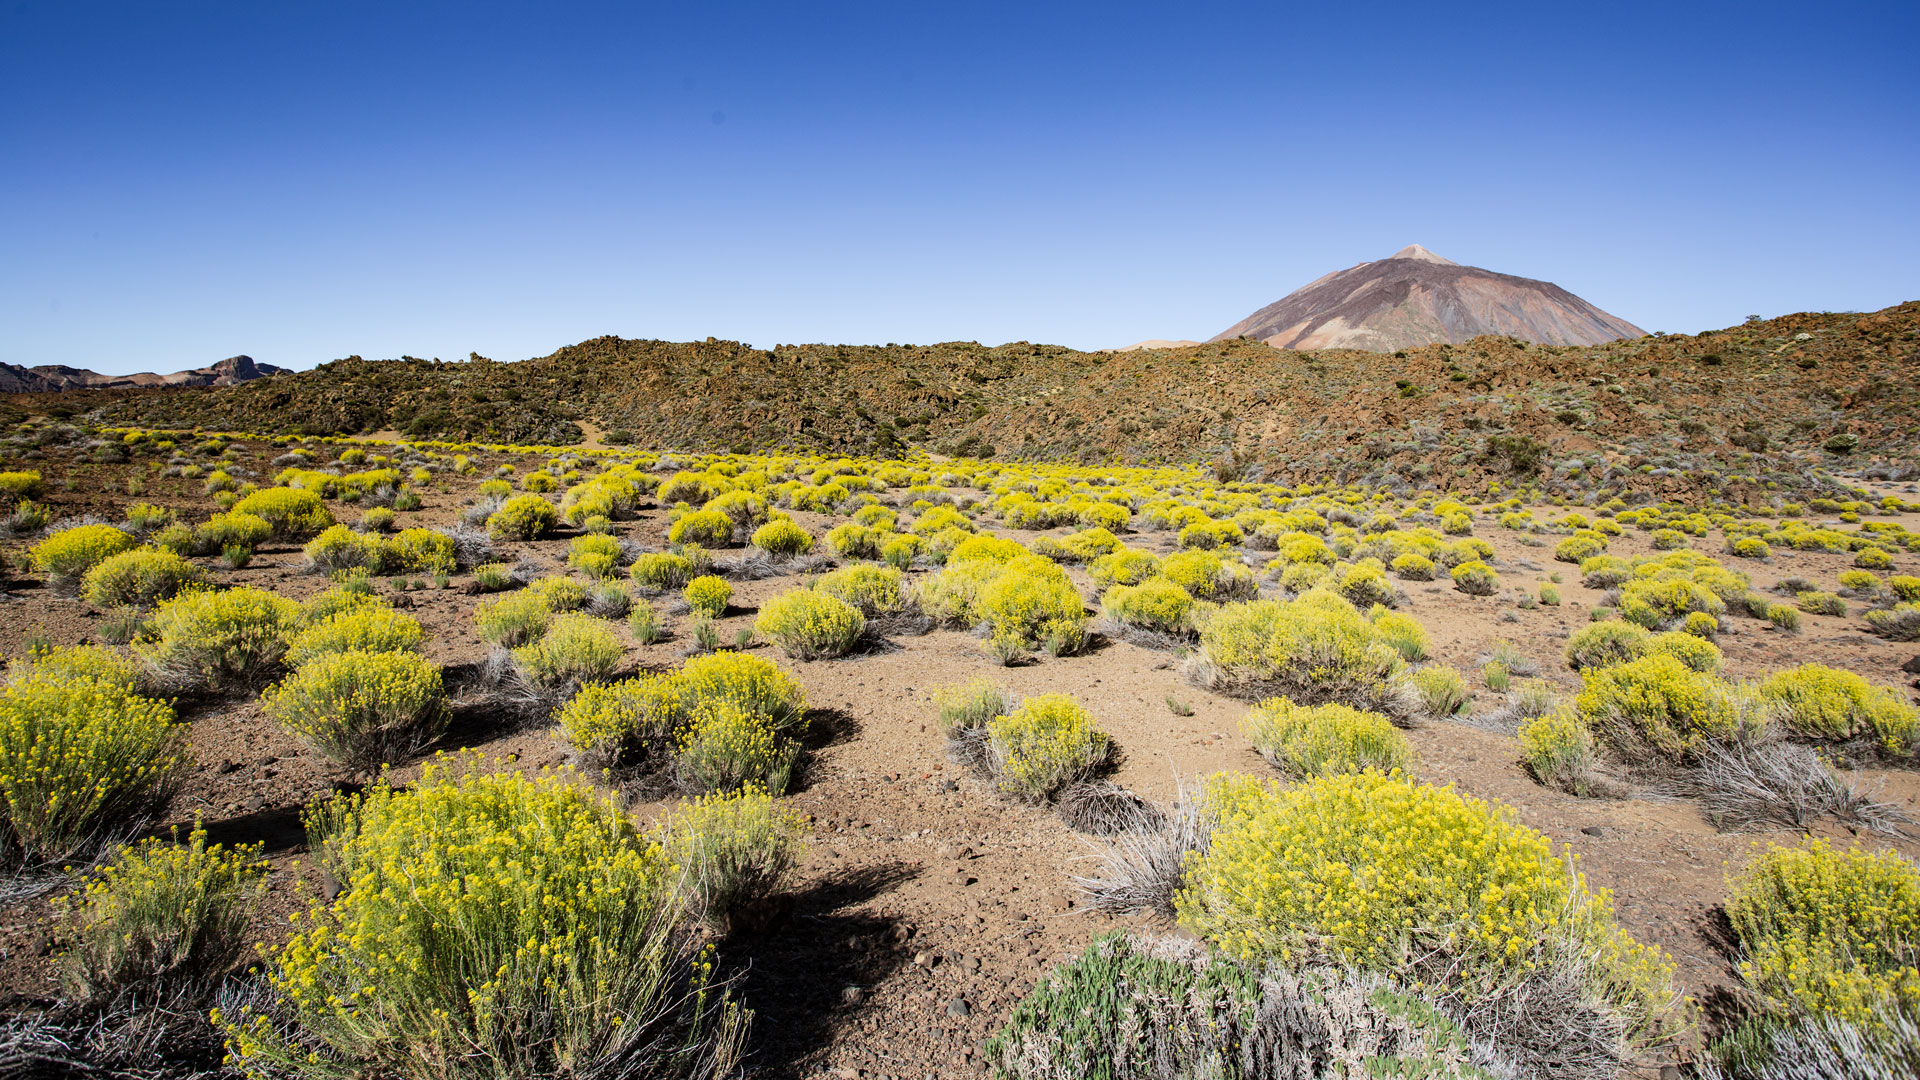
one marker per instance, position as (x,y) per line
(1418,298)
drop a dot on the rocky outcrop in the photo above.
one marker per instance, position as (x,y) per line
(53,378)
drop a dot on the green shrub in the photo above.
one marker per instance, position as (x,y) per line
(1442,691)
(80,756)
(377,519)
(1024,599)
(875,590)
(1695,652)
(513,620)
(970,706)
(222,531)
(1377,872)
(1475,578)
(1413,567)
(210,639)
(1658,706)
(900,551)
(724,747)
(1157,605)
(523,517)
(732,849)
(66,556)
(575,649)
(1905,586)
(1825,703)
(661,570)
(290,512)
(1203,574)
(708,596)
(1311,650)
(1549,595)
(643,622)
(340,548)
(637,721)
(138,577)
(1363,584)
(1787,617)
(1829,933)
(1319,740)
(708,528)
(362,709)
(1873,558)
(159,913)
(493,577)
(1125,566)
(1046,743)
(1605,571)
(559,593)
(1580,547)
(488,926)
(417,551)
(1748,547)
(811,625)
(1604,644)
(365,628)
(853,541)
(1403,632)
(1557,748)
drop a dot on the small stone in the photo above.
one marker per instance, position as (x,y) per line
(1594,830)
(926,959)
(971,963)
(1669,1072)
(1911,667)
(255,804)
(852,995)
(959,1009)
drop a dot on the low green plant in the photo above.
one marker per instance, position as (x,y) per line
(212,639)
(493,577)
(732,848)
(1557,747)
(161,913)
(661,570)
(292,513)
(809,624)
(708,528)
(1658,707)
(575,649)
(643,622)
(724,746)
(1820,602)
(782,539)
(1441,690)
(513,620)
(138,577)
(1318,740)
(969,706)
(1157,605)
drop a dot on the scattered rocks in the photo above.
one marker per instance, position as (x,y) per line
(958,1008)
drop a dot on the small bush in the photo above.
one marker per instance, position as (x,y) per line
(210,639)
(80,757)
(1046,743)
(160,913)
(291,512)
(1320,740)
(1557,748)
(1580,547)
(523,517)
(1819,602)
(66,556)
(1476,578)
(1413,567)
(1442,691)
(340,548)
(493,577)
(782,539)
(1829,933)
(1312,650)
(362,709)
(21,485)
(138,577)
(643,622)
(1126,566)
(811,625)
(541,931)
(514,620)
(575,649)
(874,590)
(1787,617)
(1825,703)
(708,596)
(1656,706)
(724,747)
(970,706)
(1158,605)
(661,570)
(1900,623)
(732,849)
(708,528)
(559,593)
(1749,547)
(222,531)
(1403,632)
(1905,586)
(1604,644)
(1669,539)
(366,628)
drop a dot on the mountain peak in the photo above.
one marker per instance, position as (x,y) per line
(1415,251)
(1418,298)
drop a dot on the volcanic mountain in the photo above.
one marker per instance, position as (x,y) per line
(52,378)
(1418,298)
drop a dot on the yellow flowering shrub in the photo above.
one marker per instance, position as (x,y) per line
(1475,578)
(1403,632)
(489,926)
(1829,933)
(138,577)
(365,628)
(361,709)
(88,661)
(559,593)
(232,529)
(80,756)
(708,528)
(810,624)
(159,911)
(1044,744)
(1441,690)
(208,638)
(782,539)
(290,511)
(594,555)
(755,684)
(1606,643)
(724,746)
(708,595)
(575,649)
(513,620)
(340,548)
(1124,566)
(1696,652)
(21,484)
(617,723)
(732,848)
(523,517)
(1157,605)
(1385,874)
(1660,704)
(1826,703)
(1024,598)
(417,551)
(851,540)
(1318,740)
(66,556)
(1315,649)
(1558,749)
(1657,603)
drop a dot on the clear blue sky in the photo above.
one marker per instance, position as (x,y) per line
(183,181)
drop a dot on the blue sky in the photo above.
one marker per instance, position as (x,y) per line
(298,182)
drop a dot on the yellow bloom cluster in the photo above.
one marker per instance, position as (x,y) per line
(1313,649)
(1021,597)
(1827,703)
(523,517)
(1157,604)
(1320,740)
(1660,702)
(1830,933)
(661,570)
(138,576)
(875,590)
(724,746)
(1046,743)
(70,553)
(291,511)
(595,555)
(810,624)
(207,637)
(369,627)
(79,754)
(576,648)
(708,595)
(361,708)
(629,721)
(708,528)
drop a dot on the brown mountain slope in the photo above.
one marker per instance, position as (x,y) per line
(1418,298)
(1763,401)
(52,378)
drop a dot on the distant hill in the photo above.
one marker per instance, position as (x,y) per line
(53,378)
(1418,298)
(1156,343)
(1765,402)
